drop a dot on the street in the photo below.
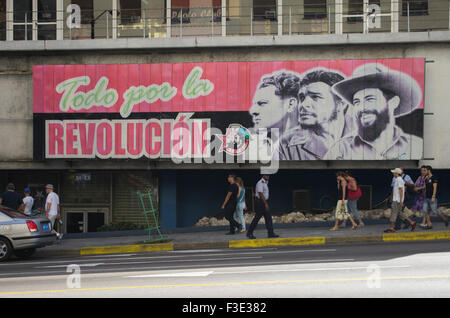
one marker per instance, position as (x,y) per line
(354,270)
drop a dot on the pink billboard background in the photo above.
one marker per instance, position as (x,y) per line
(234,82)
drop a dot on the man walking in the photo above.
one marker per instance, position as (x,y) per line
(398,197)
(262,208)
(431,201)
(52,208)
(10,198)
(409,194)
(229,205)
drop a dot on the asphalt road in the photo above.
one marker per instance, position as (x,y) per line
(369,270)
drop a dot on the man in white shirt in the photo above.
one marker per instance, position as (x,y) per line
(398,198)
(262,208)
(52,209)
(28,202)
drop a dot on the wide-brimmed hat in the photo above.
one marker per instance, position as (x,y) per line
(397,170)
(375,75)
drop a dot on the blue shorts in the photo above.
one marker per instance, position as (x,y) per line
(428,205)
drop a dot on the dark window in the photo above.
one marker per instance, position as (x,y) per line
(265,10)
(22,8)
(191,9)
(130,11)
(315,9)
(87,10)
(415,7)
(47,10)
(356,7)
(2,20)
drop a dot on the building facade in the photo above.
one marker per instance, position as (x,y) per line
(234,44)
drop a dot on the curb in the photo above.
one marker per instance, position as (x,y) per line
(257,243)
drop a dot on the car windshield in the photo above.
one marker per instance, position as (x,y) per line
(12,213)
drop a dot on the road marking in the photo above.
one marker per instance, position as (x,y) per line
(309,269)
(195,251)
(152,262)
(80,265)
(336,280)
(189,274)
(102,258)
(115,270)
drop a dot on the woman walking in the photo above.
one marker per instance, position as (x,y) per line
(354,193)
(419,188)
(240,206)
(341,207)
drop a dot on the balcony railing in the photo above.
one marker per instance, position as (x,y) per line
(335,17)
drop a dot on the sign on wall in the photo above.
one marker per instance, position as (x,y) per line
(288,110)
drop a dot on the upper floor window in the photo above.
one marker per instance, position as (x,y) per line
(2,20)
(315,9)
(130,11)
(356,7)
(87,10)
(265,10)
(188,11)
(415,7)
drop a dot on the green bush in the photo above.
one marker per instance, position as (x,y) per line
(120,226)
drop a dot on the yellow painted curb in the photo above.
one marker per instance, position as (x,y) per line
(127,249)
(420,236)
(294,241)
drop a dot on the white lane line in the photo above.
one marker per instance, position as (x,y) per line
(111,255)
(310,269)
(188,274)
(83,259)
(204,274)
(130,269)
(195,251)
(172,261)
(80,265)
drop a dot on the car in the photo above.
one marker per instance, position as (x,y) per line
(21,235)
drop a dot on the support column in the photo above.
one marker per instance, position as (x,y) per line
(280,17)
(114,19)
(9,20)
(169,18)
(60,19)
(224,17)
(365,18)
(395,14)
(338,23)
(168,203)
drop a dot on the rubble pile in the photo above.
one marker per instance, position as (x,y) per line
(299,217)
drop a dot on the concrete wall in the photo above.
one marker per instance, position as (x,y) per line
(16,101)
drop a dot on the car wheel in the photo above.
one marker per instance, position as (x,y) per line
(5,249)
(25,253)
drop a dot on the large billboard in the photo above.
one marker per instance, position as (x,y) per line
(288,110)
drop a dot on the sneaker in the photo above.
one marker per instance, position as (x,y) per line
(389,231)
(251,236)
(428,227)
(273,235)
(423,225)
(413,226)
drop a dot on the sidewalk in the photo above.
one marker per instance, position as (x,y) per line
(289,236)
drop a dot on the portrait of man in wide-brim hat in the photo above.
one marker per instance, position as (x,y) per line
(379,95)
